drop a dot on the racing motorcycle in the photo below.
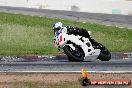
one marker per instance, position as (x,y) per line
(79,48)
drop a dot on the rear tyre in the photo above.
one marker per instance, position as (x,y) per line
(76,55)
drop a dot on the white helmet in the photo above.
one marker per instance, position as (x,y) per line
(57,26)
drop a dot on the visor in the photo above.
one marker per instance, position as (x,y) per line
(57,32)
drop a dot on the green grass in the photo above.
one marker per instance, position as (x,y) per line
(22,35)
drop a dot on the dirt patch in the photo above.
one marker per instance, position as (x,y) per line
(57,77)
(49,78)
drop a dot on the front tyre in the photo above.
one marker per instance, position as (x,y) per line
(105,55)
(76,55)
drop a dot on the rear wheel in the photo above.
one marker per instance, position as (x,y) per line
(76,55)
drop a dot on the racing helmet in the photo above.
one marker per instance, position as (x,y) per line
(57,26)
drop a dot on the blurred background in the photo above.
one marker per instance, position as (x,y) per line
(123,7)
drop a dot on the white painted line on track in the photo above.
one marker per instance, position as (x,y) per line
(66,71)
(118,26)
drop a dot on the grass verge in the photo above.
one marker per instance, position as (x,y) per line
(24,35)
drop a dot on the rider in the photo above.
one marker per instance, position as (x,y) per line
(71,30)
(58,26)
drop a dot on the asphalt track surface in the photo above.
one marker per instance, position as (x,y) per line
(66,66)
(105,19)
(50,64)
(63,65)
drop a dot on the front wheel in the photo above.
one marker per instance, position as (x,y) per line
(76,55)
(105,55)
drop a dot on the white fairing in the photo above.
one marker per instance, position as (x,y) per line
(61,39)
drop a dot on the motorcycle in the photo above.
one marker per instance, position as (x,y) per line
(79,48)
